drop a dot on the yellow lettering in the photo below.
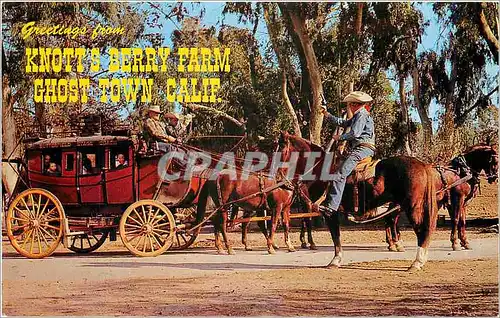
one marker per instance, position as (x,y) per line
(114,63)
(38,90)
(31,67)
(95,58)
(222,63)
(183,53)
(103,85)
(147,87)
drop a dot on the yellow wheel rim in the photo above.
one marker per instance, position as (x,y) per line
(147,228)
(35,223)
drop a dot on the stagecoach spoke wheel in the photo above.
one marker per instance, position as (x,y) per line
(147,228)
(35,223)
(182,238)
(88,242)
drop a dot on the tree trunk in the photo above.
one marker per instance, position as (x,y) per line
(289,106)
(359,18)
(404,116)
(422,110)
(448,128)
(316,87)
(273,37)
(486,31)
(9,131)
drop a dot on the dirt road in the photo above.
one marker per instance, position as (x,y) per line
(372,281)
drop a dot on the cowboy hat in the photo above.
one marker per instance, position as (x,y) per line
(155,109)
(172,115)
(358,97)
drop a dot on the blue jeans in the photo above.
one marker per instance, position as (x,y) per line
(345,169)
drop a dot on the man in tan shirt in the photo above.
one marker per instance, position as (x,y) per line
(156,130)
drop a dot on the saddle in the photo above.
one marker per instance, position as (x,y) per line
(364,170)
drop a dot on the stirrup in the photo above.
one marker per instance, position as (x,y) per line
(326,211)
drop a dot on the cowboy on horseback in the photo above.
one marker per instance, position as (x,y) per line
(360,139)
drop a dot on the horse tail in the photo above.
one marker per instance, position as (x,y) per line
(207,191)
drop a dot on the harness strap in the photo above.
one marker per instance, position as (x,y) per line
(441,171)
(456,183)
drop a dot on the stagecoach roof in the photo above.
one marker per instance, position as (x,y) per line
(68,142)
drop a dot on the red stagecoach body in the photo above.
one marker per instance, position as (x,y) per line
(95,194)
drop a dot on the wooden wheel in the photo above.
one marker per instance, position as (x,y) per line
(35,223)
(86,243)
(182,238)
(147,228)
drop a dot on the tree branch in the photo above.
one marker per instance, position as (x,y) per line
(486,32)
(197,107)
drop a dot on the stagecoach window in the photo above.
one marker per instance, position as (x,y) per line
(119,157)
(69,162)
(51,162)
(91,161)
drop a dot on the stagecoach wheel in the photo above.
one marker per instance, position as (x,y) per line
(86,243)
(35,223)
(183,239)
(147,228)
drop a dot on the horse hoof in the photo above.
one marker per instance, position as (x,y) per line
(456,247)
(221,252)
(392,248)
(413,269)
(231,252)
(276,247)
(292,249)
(248,248)
(303,245)
(467,246)
(400,247)
(335,262)
(313,247)
(271,250)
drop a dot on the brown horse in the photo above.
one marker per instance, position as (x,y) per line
(476,159)
(403,180)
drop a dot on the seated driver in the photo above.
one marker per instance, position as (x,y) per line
(157,131)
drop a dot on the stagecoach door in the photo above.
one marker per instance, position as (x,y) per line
(90,174)
(119,175)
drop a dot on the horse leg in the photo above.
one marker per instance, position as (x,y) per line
(396,234)
(333,222)
(274,220)
(312,245)
(389,225)
(454,212)
(461,225)
(230,250)
(244,234)
(423,226)
(286,226)
(217,228)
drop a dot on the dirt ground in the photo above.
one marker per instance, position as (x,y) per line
(111,282)
(466,288)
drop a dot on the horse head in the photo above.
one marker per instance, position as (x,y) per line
(483,157)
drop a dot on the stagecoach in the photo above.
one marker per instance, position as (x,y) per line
(91,196)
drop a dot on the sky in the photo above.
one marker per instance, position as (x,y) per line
(433,39)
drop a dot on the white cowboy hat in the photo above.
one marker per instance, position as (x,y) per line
(172,115)
(357,97)
(155,109)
